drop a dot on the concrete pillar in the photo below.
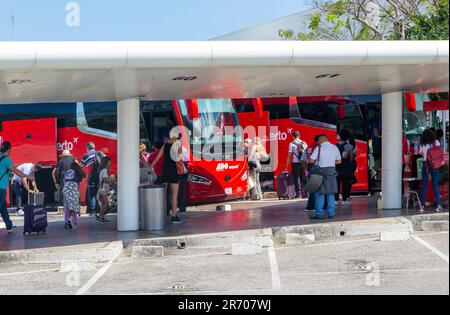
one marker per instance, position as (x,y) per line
(128,165)
(392,109)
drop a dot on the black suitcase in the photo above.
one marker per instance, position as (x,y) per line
(35,220)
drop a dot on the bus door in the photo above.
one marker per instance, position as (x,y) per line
(159,118)
(34,141)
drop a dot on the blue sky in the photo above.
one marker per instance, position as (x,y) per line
(138,19)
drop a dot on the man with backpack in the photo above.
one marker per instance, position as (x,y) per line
(6,168)
(296,149)
(92,160)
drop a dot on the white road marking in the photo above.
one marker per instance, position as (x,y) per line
(276,281)
(26,272)
(331,273)
(97,276)
(432,248)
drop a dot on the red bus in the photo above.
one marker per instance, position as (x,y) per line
(310,116)
(40,132)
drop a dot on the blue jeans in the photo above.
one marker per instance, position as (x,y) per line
(4,210)
(311,201)
(320,201)
(91,200)
(435,181)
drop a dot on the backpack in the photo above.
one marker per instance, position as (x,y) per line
(347,166)
(94,177)
(435,157)
(299,145)
(63,166)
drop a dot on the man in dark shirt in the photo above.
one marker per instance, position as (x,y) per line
(91,161)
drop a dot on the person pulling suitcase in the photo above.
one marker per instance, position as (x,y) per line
(6,168)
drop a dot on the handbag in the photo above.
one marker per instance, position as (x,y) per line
(251,183)
(315,178)
(181,167)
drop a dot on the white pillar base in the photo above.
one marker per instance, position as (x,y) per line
(128,165)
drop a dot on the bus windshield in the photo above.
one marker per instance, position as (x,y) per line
(216,122)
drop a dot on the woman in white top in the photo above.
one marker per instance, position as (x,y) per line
(427,140)
(257,152)
(103,189)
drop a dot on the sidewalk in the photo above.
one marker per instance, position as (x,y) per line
(266,214)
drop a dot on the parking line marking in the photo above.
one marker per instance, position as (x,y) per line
(97,276)
(26,272)
(276,281)
(432,248)
(356,272)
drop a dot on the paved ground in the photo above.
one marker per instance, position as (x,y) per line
(339,266)
(245,216)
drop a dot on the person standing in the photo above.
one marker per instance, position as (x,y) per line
(257,153)
(346,170)
(296,149)
(105,179)
(59,172)
(427,141)
(71,192)
(170,153)
(326,156)
(7,166)
(21,186)
(91,161)
(306,156)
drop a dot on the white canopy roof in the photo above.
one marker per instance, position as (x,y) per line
(105,71)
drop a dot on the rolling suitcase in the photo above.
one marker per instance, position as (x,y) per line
(286,186)
(35,219)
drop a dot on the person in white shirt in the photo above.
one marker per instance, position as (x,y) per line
(21,186)
(296,149)
(427,140)
(326,156)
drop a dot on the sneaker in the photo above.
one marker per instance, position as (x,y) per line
(97,217)
(439,209)
(310,209)
(20,213)
(175,220)
(11,230)
(422,209)
(68,225)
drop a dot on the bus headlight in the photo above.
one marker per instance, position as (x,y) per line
(244,177)
(196,179)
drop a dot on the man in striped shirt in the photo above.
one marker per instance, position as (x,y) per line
(91,161)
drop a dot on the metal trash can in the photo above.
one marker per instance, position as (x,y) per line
(153,207)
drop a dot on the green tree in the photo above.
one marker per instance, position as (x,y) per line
(374,20)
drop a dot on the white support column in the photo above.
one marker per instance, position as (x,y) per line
(128,165)
(392,116)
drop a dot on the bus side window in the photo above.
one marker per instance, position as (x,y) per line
(320,112)
(244,105)
(278,108)
(101,116)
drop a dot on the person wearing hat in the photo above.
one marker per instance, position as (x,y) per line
(296,149)
(59,172)
(21,186)
(6,167)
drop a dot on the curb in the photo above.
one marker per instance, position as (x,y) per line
(417,220)
(349,228)
(102,253)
